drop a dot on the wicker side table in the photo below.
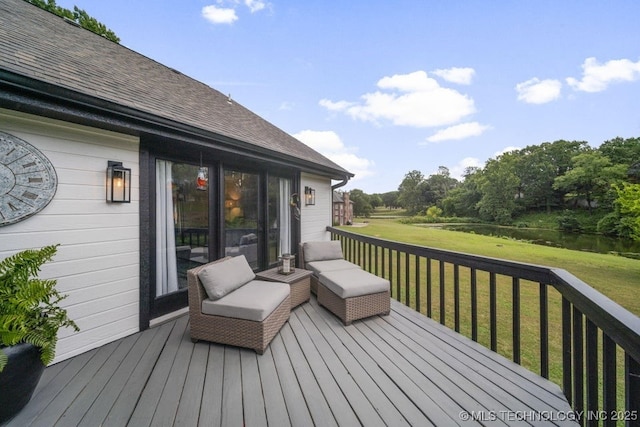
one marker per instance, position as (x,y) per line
(299,281)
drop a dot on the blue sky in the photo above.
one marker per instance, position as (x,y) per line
(383,88)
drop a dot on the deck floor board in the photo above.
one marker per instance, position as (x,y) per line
(402,369)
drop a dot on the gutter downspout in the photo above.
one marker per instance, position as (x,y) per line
(344,182)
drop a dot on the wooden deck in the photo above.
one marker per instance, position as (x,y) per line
(403,369)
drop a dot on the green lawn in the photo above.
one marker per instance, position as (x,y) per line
(616,277)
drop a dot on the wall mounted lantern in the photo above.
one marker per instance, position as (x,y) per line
(309,196)
(118,183)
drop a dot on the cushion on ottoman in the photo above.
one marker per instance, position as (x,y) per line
(353,282)
(254,301)
(330,265)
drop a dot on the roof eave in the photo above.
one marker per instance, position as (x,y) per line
(37,97)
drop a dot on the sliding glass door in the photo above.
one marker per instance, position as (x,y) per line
(182,224)
(196,220)
(242,218)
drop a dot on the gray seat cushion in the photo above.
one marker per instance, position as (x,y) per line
(254,301)
(330,265)
(353,283)
(221,278)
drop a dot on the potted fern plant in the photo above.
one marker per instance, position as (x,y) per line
(30,317)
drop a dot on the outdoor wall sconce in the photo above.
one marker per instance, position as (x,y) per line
(118,183)
(309,196)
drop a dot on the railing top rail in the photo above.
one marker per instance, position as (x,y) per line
(616,321)
(613,319)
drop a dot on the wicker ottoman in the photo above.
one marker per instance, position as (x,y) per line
(354,294)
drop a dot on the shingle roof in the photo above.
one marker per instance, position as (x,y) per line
(42,46)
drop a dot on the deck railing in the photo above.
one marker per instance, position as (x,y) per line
(541,317)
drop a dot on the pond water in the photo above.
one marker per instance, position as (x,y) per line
(555,238)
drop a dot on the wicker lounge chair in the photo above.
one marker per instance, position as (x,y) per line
(319,257)
(235,313)
(343,287)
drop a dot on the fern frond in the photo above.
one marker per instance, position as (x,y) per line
(29,306)
(3,360)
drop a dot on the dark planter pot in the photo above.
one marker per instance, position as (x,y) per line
(19,378)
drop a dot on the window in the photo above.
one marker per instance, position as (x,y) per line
(182,224)
(242,216)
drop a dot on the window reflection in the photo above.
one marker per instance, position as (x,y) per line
(241,215)
(182,224)
(279,190)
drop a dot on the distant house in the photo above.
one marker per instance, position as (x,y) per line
(633,174)
(208,177)
(342,208)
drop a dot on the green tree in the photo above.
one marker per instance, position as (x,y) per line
(390,199)
(560,154)
(79,16)
(434,212)
(621,151)
(628,203)
(437,186)
(591,177)
(361,204)
(410,192)
(375,200)
(499,187)
(537,170)
(463,200)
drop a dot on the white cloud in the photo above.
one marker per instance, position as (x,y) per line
(536,91)
(461,131)
(457,171)
(217,15)
(418,81)
(462,76)
(255,5)
(227,15)
(335,106)
(596,77)
(329,144)
(413,99)
(505,150)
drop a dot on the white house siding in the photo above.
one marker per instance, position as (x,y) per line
(316,218)
(97,264)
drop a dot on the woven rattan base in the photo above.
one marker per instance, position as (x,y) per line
(300,292)
(229,330)
(354,308)
(314,284)
(298,281)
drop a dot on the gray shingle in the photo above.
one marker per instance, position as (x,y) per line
(39,45)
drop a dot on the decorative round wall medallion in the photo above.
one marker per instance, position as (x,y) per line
(28,180)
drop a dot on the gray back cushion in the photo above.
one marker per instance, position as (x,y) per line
(221,278)
(322,251)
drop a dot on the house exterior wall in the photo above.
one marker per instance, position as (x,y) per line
(338,213)
(315,219)
(97,264)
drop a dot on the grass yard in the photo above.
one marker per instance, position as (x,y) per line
(616,277)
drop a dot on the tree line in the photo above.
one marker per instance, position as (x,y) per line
(78,16)
(561,175)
